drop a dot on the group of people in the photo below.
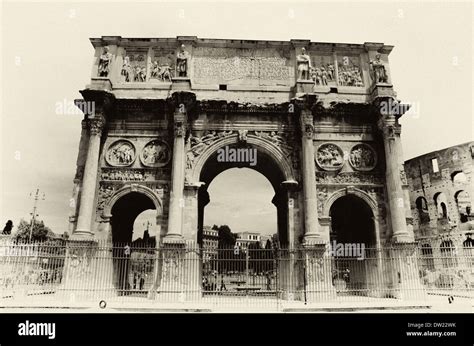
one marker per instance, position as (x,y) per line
(209,282)
(138,281)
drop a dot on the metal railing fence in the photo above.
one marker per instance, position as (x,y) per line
(83,272)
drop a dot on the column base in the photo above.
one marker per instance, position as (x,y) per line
(402,238)
(82,235)
(177,239)
(314,239)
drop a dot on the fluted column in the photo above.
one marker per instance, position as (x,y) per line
(391,138)
(312,232)
(175,217)
(89,180)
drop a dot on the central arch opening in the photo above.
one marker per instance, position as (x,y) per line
(242,219)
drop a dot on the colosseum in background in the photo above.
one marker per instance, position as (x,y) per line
(441,190)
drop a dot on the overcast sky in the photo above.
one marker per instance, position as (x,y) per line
(47,58)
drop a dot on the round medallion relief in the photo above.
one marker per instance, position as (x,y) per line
(329,157)
(120,153)
(362,157)
(155,154)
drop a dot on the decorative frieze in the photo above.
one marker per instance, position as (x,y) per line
(126,175)
(349,178)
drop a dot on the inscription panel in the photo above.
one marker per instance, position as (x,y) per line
(242,66)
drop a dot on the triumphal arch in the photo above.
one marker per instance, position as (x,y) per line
(323,118)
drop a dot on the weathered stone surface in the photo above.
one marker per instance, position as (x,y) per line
(310,110)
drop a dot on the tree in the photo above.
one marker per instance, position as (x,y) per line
(225,245)
(40,231)
(226,237)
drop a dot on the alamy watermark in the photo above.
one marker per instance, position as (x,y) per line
(37,329)
(356,250)
(242,155)
(68,107)
(392,107)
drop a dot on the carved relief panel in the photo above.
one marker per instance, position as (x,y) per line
(162,67)
(134,68)
(323,70)
(329,157)
(234,66)
(120,153)
(362,157)
(131,157)
(349,71)
(155,154)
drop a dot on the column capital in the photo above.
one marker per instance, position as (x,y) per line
(389,126)
(182,101)
(289,185)
(307,102)
(306,123)
(84,124)
(179,123)
(96,125)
